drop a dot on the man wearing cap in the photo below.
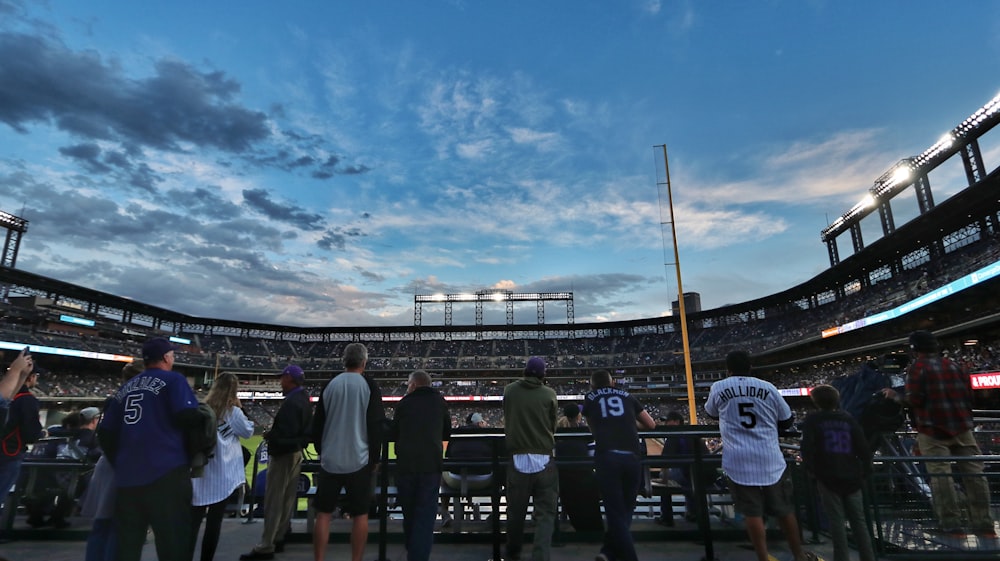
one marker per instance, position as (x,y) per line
(143,434)
(347,431)
(419,427)
(288,435)
(22,427)
(530,410)
(939,392)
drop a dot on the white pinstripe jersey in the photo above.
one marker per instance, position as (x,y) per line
(749,410)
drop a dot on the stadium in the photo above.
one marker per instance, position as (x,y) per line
(938,271)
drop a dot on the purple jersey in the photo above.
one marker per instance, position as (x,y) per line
(142,412)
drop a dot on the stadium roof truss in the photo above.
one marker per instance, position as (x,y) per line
(962,140)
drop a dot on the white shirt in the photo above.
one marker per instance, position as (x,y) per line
(224,471)
(749,410)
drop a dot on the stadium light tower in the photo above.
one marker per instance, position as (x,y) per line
(661,187)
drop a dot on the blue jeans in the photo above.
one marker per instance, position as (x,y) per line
(102,543)
(418,497)
(9,471)
(618,480)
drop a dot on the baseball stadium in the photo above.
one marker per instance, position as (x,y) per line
(937,272)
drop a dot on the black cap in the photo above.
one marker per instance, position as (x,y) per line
(923,342)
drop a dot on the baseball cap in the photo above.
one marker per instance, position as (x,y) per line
(535,367)
(294,372)
(89,413)
(156,348)
(571,410)
(923,342)
(475,418)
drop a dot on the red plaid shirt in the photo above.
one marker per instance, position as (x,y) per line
(940,394)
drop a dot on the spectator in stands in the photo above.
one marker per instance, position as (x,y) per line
(143,434)
(420,426)
(835,452)
(22,427)
(99,500)
(750,413)
(577,485)
(289,434)
(678,473)
(614,416)
(347,430)
(86,436)
(78,427)
(530,409)
(224,473)
(473,478)
(940,395)
(14,377)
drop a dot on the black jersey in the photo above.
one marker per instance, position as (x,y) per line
(612,414)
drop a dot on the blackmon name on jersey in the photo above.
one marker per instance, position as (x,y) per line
(744,391)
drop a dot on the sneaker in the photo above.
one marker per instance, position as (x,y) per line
(601,557)
(255,555)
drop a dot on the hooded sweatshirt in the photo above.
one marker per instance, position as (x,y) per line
(530,409)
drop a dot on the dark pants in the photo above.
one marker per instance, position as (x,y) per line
(680,476)
(418,497)
(542,489)
(618,480)
(164,505)
(213,527)
(102,542)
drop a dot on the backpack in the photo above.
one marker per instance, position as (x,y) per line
(201,439)
(11,443)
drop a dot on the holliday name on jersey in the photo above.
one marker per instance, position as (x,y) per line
(744,391)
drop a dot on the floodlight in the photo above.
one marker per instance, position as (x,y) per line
(901,175)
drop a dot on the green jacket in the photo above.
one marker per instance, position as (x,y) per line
(529,411)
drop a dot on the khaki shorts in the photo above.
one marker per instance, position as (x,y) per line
(755,500)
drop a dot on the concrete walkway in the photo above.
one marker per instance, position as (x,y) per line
(238,537)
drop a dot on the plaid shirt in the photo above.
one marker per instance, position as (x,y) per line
(940,393)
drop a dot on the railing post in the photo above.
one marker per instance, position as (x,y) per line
(383,502)
(253,480)
(700,495)
(495,499)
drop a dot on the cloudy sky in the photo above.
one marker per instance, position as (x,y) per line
(320,163)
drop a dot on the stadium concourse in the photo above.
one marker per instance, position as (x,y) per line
(238,536)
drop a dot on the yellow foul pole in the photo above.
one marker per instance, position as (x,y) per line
(680,292)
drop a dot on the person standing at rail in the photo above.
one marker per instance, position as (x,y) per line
(347,431)
(750,412)
(614,417)
(420,426)
(530,409)
(289,434)
(940,394)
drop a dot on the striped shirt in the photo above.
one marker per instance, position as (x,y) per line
(224,471)
(749,410)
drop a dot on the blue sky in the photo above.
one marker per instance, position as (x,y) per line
(319,163)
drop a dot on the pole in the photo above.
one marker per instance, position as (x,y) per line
(680,294)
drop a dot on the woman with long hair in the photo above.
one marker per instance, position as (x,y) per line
(224,473)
